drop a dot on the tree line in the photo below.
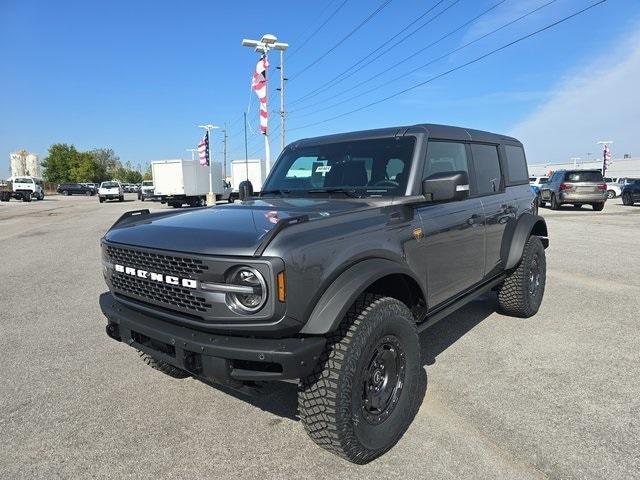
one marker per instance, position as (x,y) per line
(65,164)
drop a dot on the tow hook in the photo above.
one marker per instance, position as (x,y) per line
(113,331)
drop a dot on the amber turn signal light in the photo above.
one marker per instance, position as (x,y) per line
(282,292)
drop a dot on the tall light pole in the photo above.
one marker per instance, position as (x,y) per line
(193,151)
(575,161)
(266,43)
(604,143)
(211,198)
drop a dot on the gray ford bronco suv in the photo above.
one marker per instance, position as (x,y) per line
(356,244)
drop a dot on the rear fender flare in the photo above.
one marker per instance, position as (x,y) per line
(345,289)
(516,236)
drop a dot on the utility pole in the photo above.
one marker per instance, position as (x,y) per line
(266,43)
(224,140)
(281,89)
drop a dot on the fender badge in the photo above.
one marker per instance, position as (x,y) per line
(418,234)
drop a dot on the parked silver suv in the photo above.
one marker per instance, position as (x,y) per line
(577,187)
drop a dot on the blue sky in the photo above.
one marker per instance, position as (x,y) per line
(139,76)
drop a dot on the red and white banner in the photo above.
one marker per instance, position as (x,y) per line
(259,85)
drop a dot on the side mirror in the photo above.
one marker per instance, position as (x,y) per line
(245,189)
(446,186)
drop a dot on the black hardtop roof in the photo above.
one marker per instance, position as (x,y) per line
(446,132)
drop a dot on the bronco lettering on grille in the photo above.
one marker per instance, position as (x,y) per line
(156,277)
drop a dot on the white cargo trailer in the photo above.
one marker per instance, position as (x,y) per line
(253,169)
(178,182)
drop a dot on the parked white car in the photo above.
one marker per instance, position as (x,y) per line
(614,188)
(110,191)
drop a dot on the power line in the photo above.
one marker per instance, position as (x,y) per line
(309,37)
(430,62)
(343,39)
(376,51)
(454,69)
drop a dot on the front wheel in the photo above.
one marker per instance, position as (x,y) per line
(121,199)
(520,295)
(65,192)
(364,392)
(611,194)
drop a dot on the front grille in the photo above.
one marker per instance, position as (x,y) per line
(167,264)
(169,295)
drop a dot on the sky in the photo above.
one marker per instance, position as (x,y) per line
(140,76)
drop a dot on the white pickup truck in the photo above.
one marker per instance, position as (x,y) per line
(22,188)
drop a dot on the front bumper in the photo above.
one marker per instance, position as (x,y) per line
(109,196)
(215,357)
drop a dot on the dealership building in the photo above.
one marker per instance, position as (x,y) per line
(619,167)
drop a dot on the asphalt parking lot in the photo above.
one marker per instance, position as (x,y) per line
(554,396)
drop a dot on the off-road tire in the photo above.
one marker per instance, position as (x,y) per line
(330,400)
(598,207)
(514,295)
(627,199)
(555,205)
(163,367)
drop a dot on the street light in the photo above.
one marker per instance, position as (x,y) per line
(266,43)
(211,198)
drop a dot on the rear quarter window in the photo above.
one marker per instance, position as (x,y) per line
(517,172)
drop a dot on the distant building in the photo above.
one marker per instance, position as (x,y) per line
(25,164)
(620,167)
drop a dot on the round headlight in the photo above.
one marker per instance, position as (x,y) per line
(255,295)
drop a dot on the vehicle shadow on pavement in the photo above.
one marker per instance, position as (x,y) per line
(280,398)
(452,328)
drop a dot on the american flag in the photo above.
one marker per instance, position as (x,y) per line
(203,150)
(606,155)
(259,85)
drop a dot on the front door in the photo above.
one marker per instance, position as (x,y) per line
(454,232)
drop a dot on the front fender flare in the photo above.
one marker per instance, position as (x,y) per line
(516,236)
(340,295)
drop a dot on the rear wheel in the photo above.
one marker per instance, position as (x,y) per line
(121,198)
(26,197)
(101,199)
(363,394)
(163,367)
(554,202)
(520,295)
(87,193)
(598,207)
(627,199)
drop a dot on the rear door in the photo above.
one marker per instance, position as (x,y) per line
(497,207)
(454,234)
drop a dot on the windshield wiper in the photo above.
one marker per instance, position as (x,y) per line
(282,193)
(349,192)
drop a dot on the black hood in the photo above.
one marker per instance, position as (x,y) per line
(235,229)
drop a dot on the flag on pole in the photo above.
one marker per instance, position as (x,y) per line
(606,155)
(259,85)
(203,150)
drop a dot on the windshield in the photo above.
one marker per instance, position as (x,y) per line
(584,176)
(23,180)
(370,168)
(109,185)
(147,183)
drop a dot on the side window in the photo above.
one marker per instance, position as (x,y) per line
(445,157)
(516,164)
(487,167)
